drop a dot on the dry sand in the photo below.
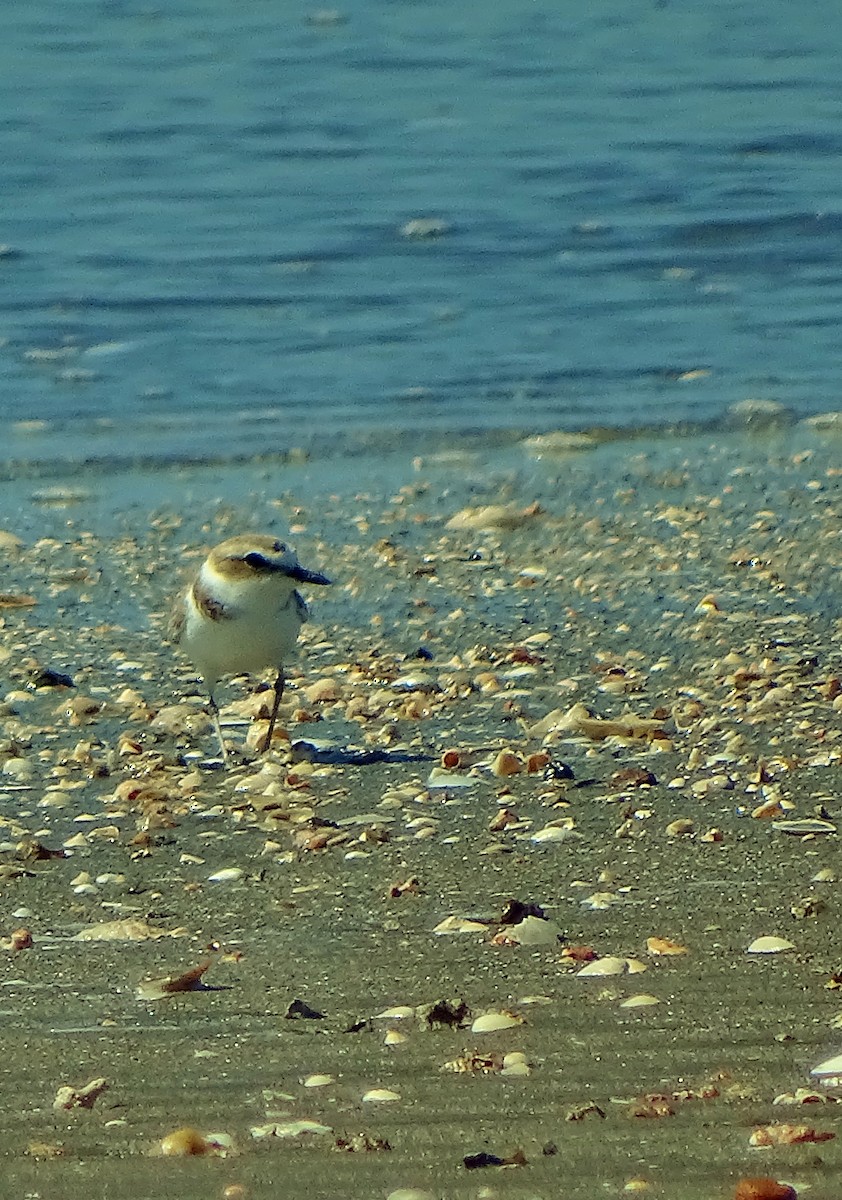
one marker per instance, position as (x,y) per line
(661,618)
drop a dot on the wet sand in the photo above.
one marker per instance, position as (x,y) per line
(685,590)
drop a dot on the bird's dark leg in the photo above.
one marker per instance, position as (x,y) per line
(279,691)
(214,712)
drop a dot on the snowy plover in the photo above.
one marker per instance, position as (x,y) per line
(242,613)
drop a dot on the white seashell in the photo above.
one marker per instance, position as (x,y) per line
(227,875)
(459,925)
(611,965)
(397,1013)
(534,931)
(804,825)
(601,967)
(288,1129)
(439,777)
(394,1037)
(642,1000)
(380,1096)
(769,945)
(410,1194)
(601,900)
(830,1066)
(489,1022)
(315,1081)
(554,833)
(516,1064)
(415,683)
(826,875)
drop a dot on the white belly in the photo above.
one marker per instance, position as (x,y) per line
(247,641)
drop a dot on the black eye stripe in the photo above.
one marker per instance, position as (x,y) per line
(257,562)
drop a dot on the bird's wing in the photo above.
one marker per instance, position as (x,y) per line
(177,619)
(301,607)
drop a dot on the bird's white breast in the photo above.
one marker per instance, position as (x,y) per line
(254,623)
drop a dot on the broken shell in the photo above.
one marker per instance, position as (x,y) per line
(129,929)
(804,826)
(657,945)
(642,1000)
(831,1067)
(227,875)
(506,763)
(610,965)
(440,778)
(316,1081)
(459,925)
(787,1135)
(321,691)
(515,1065)
(185,1142)
(555,833)
(19,939)
(84,1097)
(169,985)
(288,1129)
(769,945)
(764,1188)
(489,1022)
(537,762)
(680,828)
(601,900)
(533,931)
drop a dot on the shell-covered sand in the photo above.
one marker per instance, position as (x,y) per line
(562,709)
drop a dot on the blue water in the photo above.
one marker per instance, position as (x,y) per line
(203,205)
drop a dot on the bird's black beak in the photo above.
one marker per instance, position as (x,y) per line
(302,575)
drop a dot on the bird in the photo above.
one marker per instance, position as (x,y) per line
(242,613)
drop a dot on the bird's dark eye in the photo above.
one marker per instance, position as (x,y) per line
(256,561)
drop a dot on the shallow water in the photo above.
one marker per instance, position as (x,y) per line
(203,211)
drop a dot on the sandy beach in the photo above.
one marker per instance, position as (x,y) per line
(604,683)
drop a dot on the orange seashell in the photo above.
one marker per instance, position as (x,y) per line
(537,762)
(184,1142)
(20,939)
(763,1188)
(784,1134)
(506,763)
(321,691)
(658,945)
(579,953)
(767,811)
(451,759)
